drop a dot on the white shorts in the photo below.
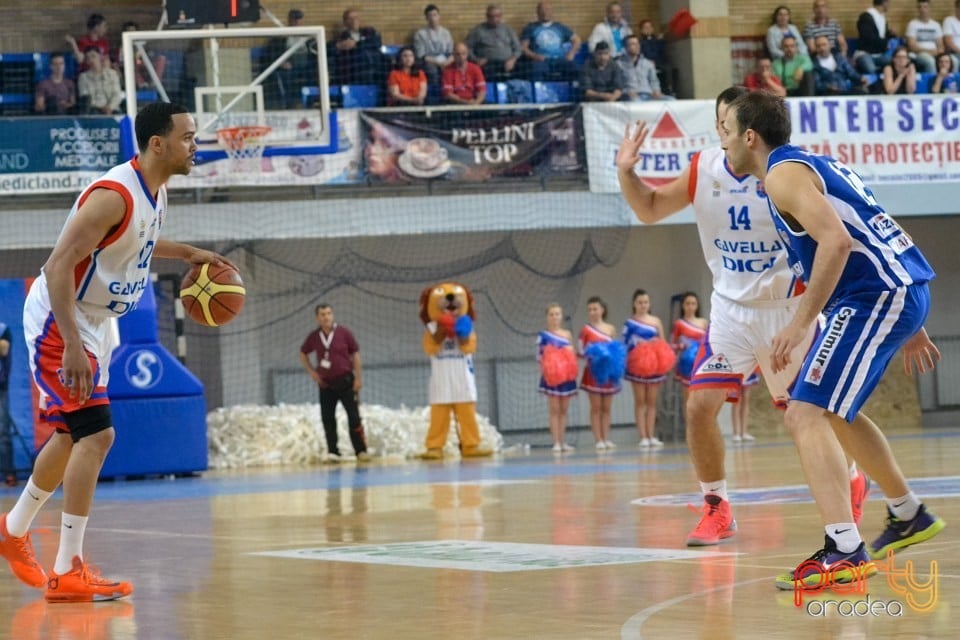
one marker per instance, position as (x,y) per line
(45,352)
(738,341)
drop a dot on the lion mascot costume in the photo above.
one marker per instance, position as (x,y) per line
(447,312)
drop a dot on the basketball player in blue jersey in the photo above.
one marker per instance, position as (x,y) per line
(755,294)
(97,271)
(864,273)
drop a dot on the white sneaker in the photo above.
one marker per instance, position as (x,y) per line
(737,438)
(748,438)
(558,448)
(601,446)
(645,443)
(568,448)
(611,445)
(656,442)
(333,458)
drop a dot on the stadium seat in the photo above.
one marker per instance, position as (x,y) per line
(582,55)
(309,95)
(147,95)
(549,92)
(924,82)
(360,96)
(390,50)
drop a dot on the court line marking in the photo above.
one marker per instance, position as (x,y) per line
(631,629)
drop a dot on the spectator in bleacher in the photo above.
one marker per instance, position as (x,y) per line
(433,45)
(900,76)
(833,75)
(946,80)
(781,26)
(601,79)
(158,60)
(951,35)
(55,94)
(764,79)
(924,39)
(98,87)
(823,25)
(873,38)
(794,69)
(95,37)
(614,31)
(463,81)
(549,47)
(299,70)
(654,49)
(407,83)
(494,46)
(640,82)
(357,57)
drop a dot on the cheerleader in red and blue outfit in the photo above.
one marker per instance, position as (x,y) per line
(554,353)
(689,332)
(601,395)
(640,328)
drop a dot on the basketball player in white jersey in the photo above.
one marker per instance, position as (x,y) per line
(97,271)
(869,279)
(754,295)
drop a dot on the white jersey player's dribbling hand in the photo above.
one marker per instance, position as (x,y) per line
(76,372)
(628,153)
(919,353)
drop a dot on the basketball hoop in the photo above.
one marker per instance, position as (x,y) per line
(244,146)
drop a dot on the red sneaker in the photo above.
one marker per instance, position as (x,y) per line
(716,524)
(19,554)
(84,584)
(859,490)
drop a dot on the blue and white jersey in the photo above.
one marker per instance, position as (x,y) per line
(883,256)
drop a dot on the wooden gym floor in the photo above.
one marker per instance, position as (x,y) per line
(517,547)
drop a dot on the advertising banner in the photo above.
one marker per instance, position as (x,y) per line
(471,145)
(56,155)
(886,139)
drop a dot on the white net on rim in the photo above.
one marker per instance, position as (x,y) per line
(244,146)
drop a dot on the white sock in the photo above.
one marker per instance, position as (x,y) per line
(718,488)
(904,507)
(846,536)
(28,506)
(853,470)
(71,542)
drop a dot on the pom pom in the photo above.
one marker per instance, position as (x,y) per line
(607,361)
(651,359)
(558,365)
(463,327)
(687,357)
(666,356)
(446,322)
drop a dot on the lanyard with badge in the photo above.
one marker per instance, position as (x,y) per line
(326,340)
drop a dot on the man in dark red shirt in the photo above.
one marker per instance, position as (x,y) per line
(338,374)
(463,81)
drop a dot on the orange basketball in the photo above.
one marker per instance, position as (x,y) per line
(212,295)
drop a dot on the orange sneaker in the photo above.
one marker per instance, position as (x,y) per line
(84,584)
(19,554)
(716,524)
(859,490)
